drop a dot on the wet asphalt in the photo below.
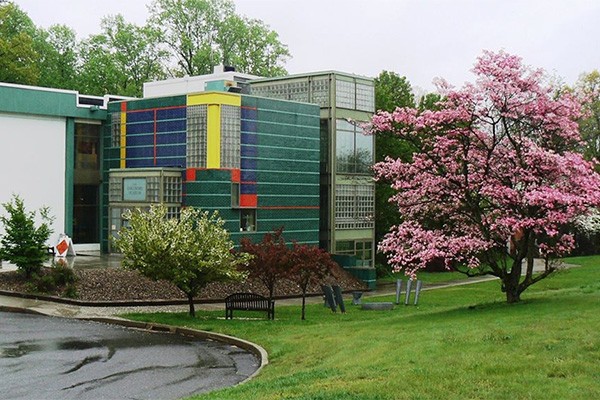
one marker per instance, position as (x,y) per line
(55,358)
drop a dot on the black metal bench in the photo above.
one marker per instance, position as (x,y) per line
(248,302)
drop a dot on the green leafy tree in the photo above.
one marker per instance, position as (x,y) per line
(190,252)
(391,91)
(203,33)
(18,57)
(252,47)
(24,243)
(120,59)
(57,48)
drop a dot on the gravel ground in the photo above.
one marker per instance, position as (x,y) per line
(116,284)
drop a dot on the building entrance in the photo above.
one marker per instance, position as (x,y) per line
(86,183)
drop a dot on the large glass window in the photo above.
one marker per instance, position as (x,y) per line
(361,249)
(354,150)
(354,206)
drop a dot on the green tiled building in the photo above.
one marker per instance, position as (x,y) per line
(347,189)
(254,159)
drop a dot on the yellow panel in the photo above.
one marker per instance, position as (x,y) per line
(123,139)
(213,137)
(230,99)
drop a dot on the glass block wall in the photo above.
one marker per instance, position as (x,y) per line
(307,90)
(196,136)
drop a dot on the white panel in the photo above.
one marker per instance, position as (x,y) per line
(32,164)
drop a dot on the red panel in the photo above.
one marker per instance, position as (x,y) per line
(124,106)
(190,174)
(236,175)
(248,200)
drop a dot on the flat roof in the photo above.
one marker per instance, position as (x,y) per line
(309,74)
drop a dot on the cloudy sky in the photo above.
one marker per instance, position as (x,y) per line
(420,39)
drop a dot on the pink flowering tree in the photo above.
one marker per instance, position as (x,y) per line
(495,179)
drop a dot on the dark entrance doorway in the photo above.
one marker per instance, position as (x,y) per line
(86,183)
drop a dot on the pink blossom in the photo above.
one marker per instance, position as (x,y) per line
(496,162)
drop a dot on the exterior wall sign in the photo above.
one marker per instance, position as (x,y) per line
(134,189)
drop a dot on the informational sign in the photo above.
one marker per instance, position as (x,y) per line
(134,189)
(64,247)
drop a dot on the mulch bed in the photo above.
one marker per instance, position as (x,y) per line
(116,284)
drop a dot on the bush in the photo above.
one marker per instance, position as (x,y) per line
(24,244)
(52,280)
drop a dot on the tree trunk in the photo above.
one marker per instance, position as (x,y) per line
(190,297)
(303,304)
(271,291)
(513,295)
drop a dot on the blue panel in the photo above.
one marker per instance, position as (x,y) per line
(248,188)
(248,176)
(248,163)
(249,151)
(141,140)
(171,138)
(171,113)
(143,163)
(171,126)
(171,162)
(249,113)
(249,138)
(171,151)
(248,126)
(139,116)
(140,127)
(140,152)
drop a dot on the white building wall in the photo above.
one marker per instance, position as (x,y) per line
(32,164)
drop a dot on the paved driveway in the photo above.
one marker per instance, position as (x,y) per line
(54,358)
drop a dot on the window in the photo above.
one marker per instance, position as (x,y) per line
(320,91)
(116,130)
(345,94)
(196,136)
(361,249)
(248,220)
(354,206)
(230,136)
(235,195)
(365,97)
(353,149)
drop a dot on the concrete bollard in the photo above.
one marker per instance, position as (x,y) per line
(408,288)
(417,291)
(398,290)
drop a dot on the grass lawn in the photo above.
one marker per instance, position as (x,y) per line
(459,343)
(426,277)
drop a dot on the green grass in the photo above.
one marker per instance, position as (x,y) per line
(426,277)
(460,343)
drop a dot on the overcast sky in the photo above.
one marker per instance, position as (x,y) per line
(420,39)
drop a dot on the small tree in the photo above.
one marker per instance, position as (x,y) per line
(190,252)
(271,260)
(310,265)
(24,244)
(495,164)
